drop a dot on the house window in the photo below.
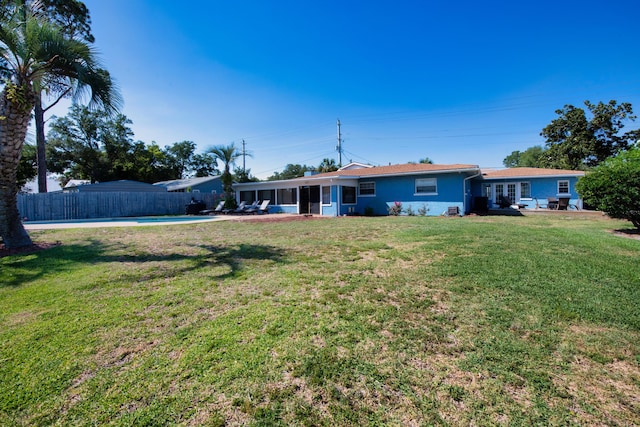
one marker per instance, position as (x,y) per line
(247,196)
(525,190)
(267,195)
(287,196)
(348,195)
(367,188)
(487,191)
(426,186)
(563,187)
(326,195)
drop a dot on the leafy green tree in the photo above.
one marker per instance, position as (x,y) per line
(614,186)
(426,160)
(179,156)
(27,170)
(227,155)
(75,145)
(575,141)
(291,171)
(327,165)
(204,164)
(33,50)
(531,157)
(243,175)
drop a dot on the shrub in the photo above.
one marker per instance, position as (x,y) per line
(614,186)
(396,209)
(422,211)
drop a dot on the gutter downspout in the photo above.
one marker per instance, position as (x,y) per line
(464,191)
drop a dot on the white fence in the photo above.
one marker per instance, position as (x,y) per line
(87,205)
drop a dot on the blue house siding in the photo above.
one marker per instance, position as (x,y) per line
(374,190)
(388,190)
(540,189)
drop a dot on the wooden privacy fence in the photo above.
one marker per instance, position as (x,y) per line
(88,205)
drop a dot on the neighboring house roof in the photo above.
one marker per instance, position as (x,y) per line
(76,182)
(394,170)
(354,165)
(529,173)
(183,184)
(118,186)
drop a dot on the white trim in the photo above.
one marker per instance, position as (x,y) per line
(367,195)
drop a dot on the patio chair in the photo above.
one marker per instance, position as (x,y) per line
(552,203)
(239,209)
(263,208)
(506,202)
(563,203)
(218,209)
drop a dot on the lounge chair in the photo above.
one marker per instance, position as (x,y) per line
(218,209)
(239,209)
(506,202)
(263,208)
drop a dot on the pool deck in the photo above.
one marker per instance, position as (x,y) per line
(116,222)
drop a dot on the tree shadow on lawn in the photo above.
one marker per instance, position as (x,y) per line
(19,270)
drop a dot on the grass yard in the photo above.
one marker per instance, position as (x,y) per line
(401,321)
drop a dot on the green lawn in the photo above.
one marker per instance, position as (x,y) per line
(346,321)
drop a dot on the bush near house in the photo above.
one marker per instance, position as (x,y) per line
(614,186)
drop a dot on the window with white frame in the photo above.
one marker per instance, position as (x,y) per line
(287,196)
(525,190)
(367,188)
(326,195)
(427,186)
(563,186)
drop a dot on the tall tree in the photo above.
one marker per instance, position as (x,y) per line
(76,147)
(531,157)
(227,155)
(179,155)
(575,141)
(72,18)
(32,51)
(327,165)
(291,171)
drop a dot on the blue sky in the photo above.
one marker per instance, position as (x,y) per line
(455,81)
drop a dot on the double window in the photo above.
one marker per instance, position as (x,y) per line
(426,186)
(367,188)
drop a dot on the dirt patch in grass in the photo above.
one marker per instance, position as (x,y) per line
(26,250)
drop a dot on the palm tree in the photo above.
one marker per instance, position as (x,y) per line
(33,50)
(327,165)
(227,155)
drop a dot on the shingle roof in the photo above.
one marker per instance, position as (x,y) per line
(529,173)
(404,169)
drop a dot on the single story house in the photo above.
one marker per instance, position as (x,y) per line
(421,188)
(206,184)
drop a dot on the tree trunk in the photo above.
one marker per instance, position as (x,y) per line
(14,121)
(41,147)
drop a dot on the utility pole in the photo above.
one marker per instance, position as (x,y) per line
(339,147)
(244,152)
